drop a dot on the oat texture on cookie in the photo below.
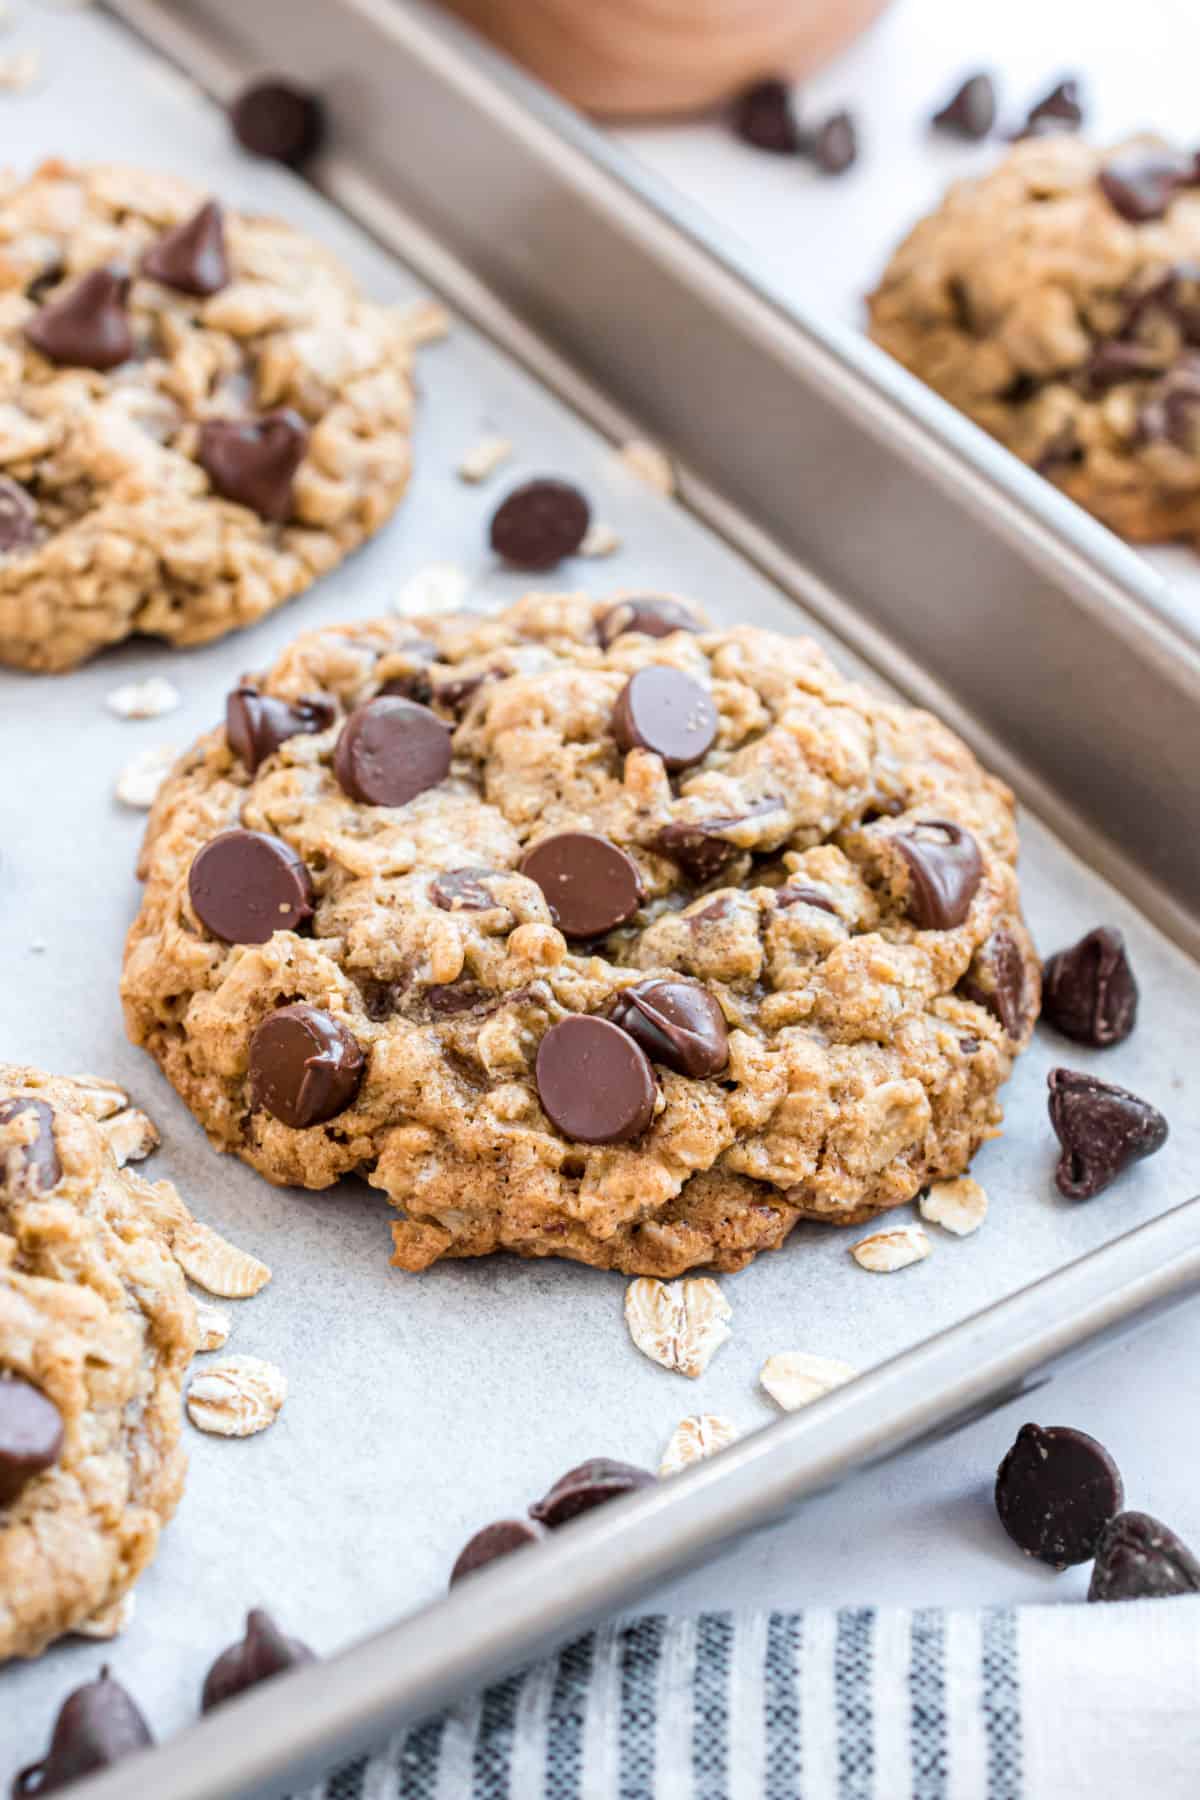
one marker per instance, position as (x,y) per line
(199,413)
(575,959)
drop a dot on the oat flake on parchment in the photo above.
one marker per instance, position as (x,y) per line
(599,540)
(215,1264)
(130,1135)
(679,1324)
(212,1327)
(794,1378)
(139,781)
(959,1206)
(143,699)
(649,464)
(237,1396)
(435,588)
(425,322)
(696,1437)
(886,1251)
(484,458)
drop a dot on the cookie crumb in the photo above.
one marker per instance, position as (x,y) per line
(139,781)
(484,458)
(679,1324)
(143,699)
(212,1327)
(436,588)
(699,1436)
(794,1378)
(649,464)
(886,1251)
(599,540)
(130,1135)
(20,70)
(425,322)
(959,1206)
(110,1621)
(237,1397)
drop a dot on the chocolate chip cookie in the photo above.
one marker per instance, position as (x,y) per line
(584,930)
(96,1332)
(1056,300)
(199,413)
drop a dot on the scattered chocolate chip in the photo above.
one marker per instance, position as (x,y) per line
(590,885)
(1056,1490)
(390,750)
(833,146)
(278,120)
(1115,360)
(254,461)
(797,894)
(191,256)
(493,1542)
(944,870)
(594,1082)
(88,327)
(31,1435)
(593,1483)
(1139,1558)
(462,890)
(764,117)
(1089,992)
(99,1725)
(1102,1130)
(305,1067)
(666,711)
(540,523)
(678,1023)
(40,1167)
(1060,110)
(245,886)
(18,515)
(651,615)
(996,980)
(256,724)
(1140,183)
(971,110)
(262,1653)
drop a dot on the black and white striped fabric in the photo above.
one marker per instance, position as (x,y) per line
(1048,1703)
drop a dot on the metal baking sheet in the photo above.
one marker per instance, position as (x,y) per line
(421,1407)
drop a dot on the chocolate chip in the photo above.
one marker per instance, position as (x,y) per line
(31,1435)
(764,116)
(699,847)
(191,256)
(1060,110)
(1056,1490)
(971,110)
(40,1169)
(796,894)
(99,1724)
(944,872)
(665,711)
(593,1483)
(1139,1558)
(1176,294)
(996,980)
(1140,184)
(415,684)
(305,1067)
(540,523)
(1114,360)
(245,886)
(594,1082)
(455,695)
(1181,416)
(493,1542)
(678,1023)
(261,1654)
(1089,992)
(590,885)
(256,724)
(834,145)
(88,327)
(390,750)
(18,515)
(278,120)
(650,615)
(450,997)
(1102,1130)
(462,890)
(253,461)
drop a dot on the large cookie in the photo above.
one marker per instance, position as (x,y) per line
(1056,300)
(368,945)
(96,1332)
(199,413)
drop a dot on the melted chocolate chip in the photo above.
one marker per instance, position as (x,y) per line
(18,516)
(970,111)
(99,1724)
(256,724)
(390,750)
(88,327)
(38,1167)
(1175,294)
(1140,183)
(450,997)
(594,1082)
(1103,1129)
(667,712)
(650,615)
(1056,1490)
(305,1067)
(678,1023)
(834,145)
(1114,360)
(698,845)
(277,120)
(31,1435)
(462,890)
(540,523)
(764,117)
(593,1483)
(457,694)
(1139,1558)
(493,1542)
(996,979)
(191,256)
(263,1653)
(254,461)
(797,894)
(945,869)
(1089,992)
(590,885)
(245,886)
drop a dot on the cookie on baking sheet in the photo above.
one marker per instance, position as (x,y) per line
(96,1333)
(584,930)
(199,413)
(1056,300)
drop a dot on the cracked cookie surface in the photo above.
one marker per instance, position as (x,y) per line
(828,892)
(1056,301)
(159,493)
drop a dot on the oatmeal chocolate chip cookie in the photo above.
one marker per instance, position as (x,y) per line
(96,1333)
(199,413)
(595,938)
(1056,300)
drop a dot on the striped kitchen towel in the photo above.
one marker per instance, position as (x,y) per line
(1038,1703)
